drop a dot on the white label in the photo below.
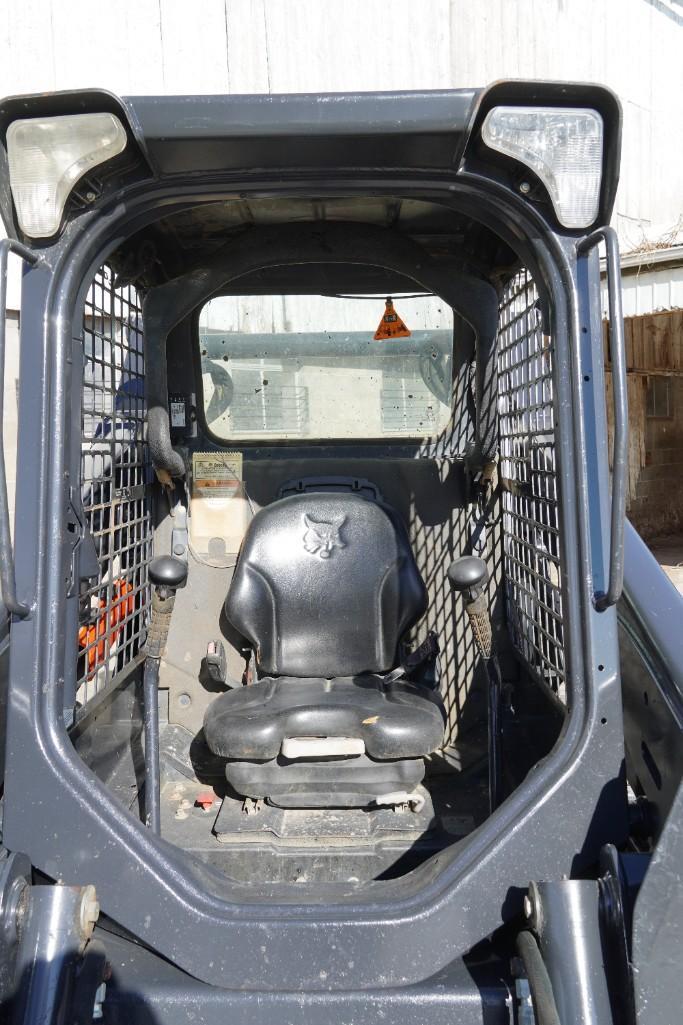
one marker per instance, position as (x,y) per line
(177,414)
(216,474)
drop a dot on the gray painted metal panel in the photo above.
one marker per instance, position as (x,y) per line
(658,928)
(401,931)
(144,988)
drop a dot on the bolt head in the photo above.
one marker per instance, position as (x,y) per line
(89,911)
(524,188)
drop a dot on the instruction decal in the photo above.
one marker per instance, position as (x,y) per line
(216,474)
(177,412)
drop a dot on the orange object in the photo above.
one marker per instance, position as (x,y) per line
(391,325)
(205,800)
(94,637)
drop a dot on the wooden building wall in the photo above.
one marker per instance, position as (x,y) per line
(654,360)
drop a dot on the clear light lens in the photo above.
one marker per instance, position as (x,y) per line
(563,146)
(48,155)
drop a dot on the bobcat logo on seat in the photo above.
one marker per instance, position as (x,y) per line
(322,537)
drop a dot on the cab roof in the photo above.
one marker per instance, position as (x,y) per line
(289,137)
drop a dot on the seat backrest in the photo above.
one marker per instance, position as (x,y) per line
(325,586)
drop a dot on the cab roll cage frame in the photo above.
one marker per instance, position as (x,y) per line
(399,932)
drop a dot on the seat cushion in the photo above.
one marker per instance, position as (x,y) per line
(324,783)
(394,718)
(325,586)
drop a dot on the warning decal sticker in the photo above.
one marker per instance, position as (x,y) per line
(391,325)
(216,474)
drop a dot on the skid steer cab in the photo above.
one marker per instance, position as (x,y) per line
(336,684)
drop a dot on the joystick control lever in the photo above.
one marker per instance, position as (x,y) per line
(166,575)
(469,576)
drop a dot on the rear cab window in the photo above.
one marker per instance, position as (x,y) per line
(309,367)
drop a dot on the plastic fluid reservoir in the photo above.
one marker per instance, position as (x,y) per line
(219,507)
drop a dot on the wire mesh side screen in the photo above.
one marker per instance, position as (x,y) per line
(531,543)
(114,485)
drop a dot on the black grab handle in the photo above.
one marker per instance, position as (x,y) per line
(7,582)
(620,400)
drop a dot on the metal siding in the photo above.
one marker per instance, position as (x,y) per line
(161,46)
(194,47)
(650,290)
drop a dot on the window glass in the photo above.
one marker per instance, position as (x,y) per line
(301,366)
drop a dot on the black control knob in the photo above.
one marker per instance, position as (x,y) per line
(168,572)
(468,574)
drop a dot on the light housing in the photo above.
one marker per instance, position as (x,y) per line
(563,146)
(48,155)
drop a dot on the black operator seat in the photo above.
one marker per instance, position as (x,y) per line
(325,588)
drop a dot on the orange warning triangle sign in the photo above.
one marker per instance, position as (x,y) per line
(391,325)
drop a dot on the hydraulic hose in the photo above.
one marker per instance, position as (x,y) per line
(541,987)
(150,690)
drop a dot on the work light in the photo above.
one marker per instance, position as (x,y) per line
(563,146)
(48,155)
